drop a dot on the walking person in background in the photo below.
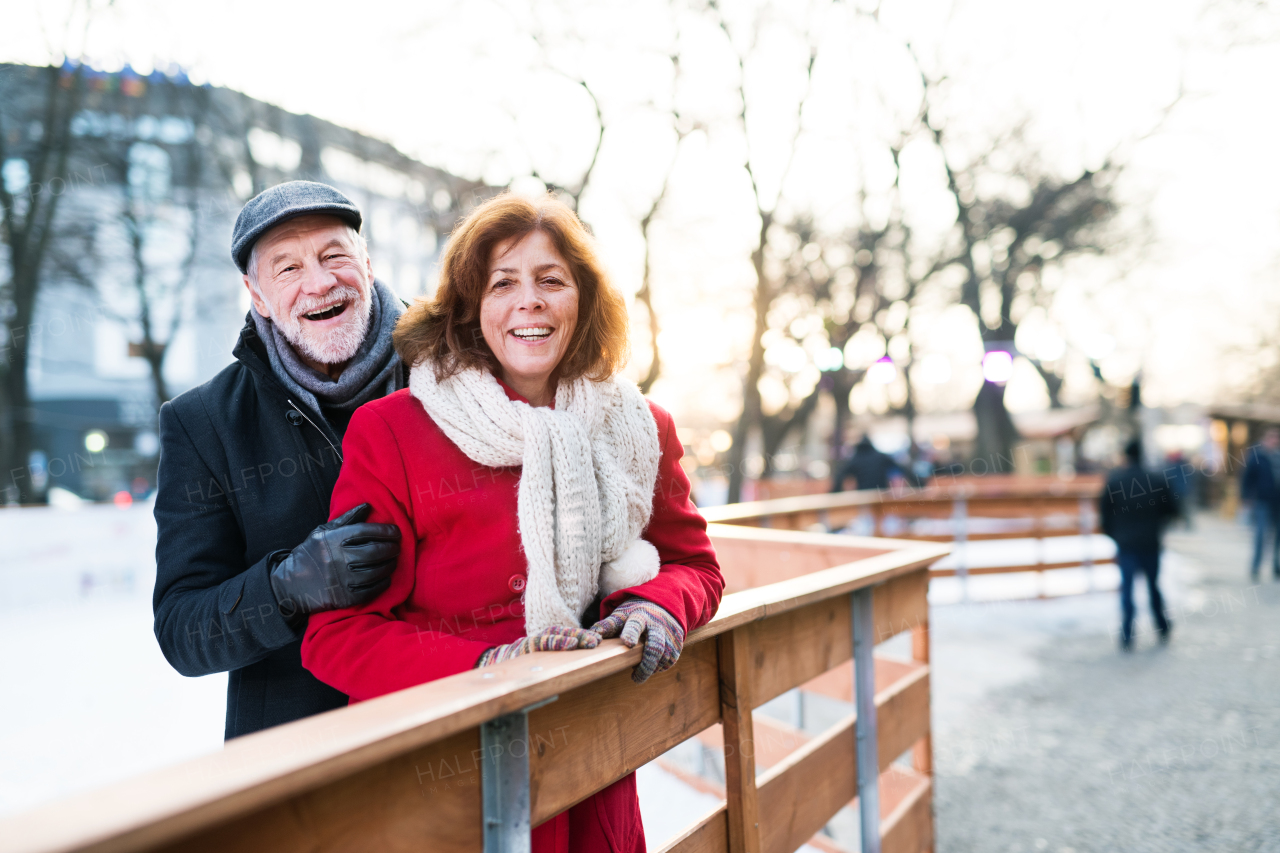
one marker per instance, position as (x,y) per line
(1134,508)
(868,467)
(1260,490)
(1179,472)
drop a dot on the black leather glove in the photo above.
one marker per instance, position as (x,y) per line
(342,563)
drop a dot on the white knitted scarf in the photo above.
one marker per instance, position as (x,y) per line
(586,488)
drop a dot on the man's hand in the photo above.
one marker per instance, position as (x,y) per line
(342,563)
(553,639)
(664,638)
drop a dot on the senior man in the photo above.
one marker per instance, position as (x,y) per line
(248,462)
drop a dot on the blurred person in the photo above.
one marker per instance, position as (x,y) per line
(904,467)
(248,461)
(1260,491)
(540,498)
(945,465)
(1134,507)
(867,467)
(923,466)
(1178,473)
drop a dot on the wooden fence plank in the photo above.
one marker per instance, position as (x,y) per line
(774,741)
(755,604)
(748,564)
(1029,567)
(900,604)
(793,647)
(796,647)
(1016,502)
(909,828)
(897,785)
(709,835)
(986,537)
(739,742)
(838,682)
(922,753)
(426,800)
(902,715)
(598,733)
(800,795)
(902,695)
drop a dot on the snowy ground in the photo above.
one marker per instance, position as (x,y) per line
(96,701)
(91,699)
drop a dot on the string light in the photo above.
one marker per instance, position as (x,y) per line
(883,372)
(997,366)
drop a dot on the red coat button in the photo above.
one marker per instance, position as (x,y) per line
(516,583)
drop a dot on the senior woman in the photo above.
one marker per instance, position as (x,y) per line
(535,491)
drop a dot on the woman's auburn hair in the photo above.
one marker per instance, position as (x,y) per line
(445,329)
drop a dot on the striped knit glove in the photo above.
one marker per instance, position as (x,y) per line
(664,638)
(553,639)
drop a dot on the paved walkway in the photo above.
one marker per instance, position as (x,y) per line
(1048,738)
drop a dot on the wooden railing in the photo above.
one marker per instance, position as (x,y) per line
(470,762)
(969,511)
(994,484)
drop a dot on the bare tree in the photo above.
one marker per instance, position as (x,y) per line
(766,287)
(682,126)
(1001,242)
(572,192)
(645,294)
(844,284)
(29,211)
(150,289)
(155,231)
(1004,241)
(152,220)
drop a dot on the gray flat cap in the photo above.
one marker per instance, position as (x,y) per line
(284,201)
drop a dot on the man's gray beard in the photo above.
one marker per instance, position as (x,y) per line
(337,345)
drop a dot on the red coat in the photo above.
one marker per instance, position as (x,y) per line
(457,588)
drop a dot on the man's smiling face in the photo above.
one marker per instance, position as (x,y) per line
(313,280)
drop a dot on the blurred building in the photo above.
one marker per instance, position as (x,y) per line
(140,300)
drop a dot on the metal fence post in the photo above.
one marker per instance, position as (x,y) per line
(797,708)
(1086,542)
(960,528)
(864,680)
(504,780)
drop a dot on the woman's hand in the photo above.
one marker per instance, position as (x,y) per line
(664,638)
(554,639)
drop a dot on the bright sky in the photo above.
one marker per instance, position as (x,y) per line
(463,86)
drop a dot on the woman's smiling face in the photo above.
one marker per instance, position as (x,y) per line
(528,313)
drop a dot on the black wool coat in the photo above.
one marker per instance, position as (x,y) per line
(1259,482)
(244,471)
(1134,507)
(869,468)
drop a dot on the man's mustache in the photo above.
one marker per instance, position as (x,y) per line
(311,304)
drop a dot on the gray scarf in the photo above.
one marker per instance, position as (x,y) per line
(372,373)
